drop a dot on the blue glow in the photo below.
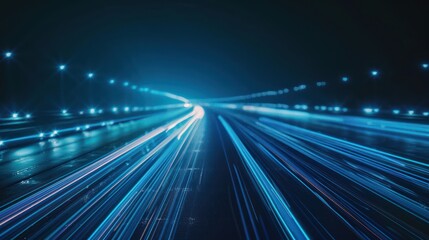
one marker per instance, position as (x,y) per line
(41,135)
(92,110)
(8,54)
(374,73)
(425,65)
(62,67)
(112,81)
(100,111)
(410,112)
(114,109)
(126,84)
(126,109)
(425,114)
(368,110)
(27,115)
(345,79)
(396,111)
(64,111)
(15,115)
(81,113)
(90,75)
(299,88)
(337,109)
(134,87)
(1,143)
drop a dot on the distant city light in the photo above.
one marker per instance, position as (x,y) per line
(345,79)
(114,109)
(126,84)
(368,110)
(395,111)
(62,67)
(1,143)
(90,75)
(112,81)
(92,110)
(374,73)
(337,109)
(410,112)
(8,54)
(64,111)
(126,109)
(15,115)
(134,87)
(425,114)
(41,135)
(425,65)
(100,111)
(81,113)
(300,87)
(27,115)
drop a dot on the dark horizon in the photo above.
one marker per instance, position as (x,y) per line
(216,50)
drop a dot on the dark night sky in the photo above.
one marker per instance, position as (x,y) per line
(217,49)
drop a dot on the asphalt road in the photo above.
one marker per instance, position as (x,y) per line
(253,173)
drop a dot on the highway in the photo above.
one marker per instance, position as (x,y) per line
(247,172)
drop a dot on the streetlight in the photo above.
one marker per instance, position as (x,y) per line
(90,76)
(62,67)
(374,73)
(8,54)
